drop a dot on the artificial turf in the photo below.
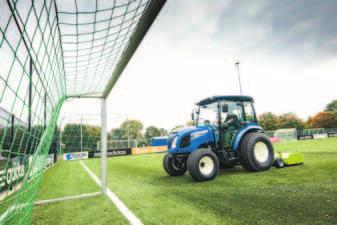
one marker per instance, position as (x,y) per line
(66,178)
(91,211)
(304,194)
(69,179)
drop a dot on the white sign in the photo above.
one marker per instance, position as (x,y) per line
(12,174)
(318,136)
(75,156)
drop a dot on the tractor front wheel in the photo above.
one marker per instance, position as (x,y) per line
(203,165)
(174,166)
(256,152)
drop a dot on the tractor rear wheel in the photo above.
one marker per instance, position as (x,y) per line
(174,166)
(256,152)
(203,164)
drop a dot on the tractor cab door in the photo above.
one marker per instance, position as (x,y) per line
(232,116)
(235,115)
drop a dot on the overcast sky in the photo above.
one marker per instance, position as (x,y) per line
(287,50)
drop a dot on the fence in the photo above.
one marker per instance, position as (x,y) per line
(293,134)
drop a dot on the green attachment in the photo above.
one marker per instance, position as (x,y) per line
(289,159)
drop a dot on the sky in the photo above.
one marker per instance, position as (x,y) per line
(287,52)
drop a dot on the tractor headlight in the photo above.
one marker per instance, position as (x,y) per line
(174,142)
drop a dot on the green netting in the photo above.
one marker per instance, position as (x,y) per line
(79,133)
(82,133)
(94,36)
(50,50)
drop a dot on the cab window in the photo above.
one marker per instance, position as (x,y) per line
(249,112)
(232,113)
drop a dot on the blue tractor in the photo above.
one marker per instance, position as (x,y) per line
(226,134)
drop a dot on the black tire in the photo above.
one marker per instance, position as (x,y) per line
(203,164)
(173,166)
(250,150)
(279,163)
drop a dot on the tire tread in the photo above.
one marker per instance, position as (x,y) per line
(246,152)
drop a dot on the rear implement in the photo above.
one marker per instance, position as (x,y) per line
(283,159)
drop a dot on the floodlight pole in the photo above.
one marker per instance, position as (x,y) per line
(237,64)
(103,144)
(81,135)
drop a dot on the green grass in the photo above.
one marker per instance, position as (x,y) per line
(294,195)
(66,179)
(95,210)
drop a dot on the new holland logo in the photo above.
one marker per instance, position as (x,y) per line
(197,134)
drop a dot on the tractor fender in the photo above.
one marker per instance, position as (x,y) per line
(241,133)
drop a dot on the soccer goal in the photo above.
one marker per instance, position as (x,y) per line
(79,153)
(53,51)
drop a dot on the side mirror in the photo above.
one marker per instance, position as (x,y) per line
(224,108)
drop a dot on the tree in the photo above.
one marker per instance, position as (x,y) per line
(268,121)
(190,123)
(133,128)
(91,135)
(307,124)
(163,132)
(151,132)
(331,107)
(176,128)
(324,120)
(117,134)
(290,120)
(71,137)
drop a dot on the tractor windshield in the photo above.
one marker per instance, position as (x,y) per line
(208,115)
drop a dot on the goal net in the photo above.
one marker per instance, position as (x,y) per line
(119,144)
(50,51)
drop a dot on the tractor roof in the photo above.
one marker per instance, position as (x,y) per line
(226,98)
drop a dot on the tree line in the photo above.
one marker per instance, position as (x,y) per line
(73,141)
(21,141)
(325,119)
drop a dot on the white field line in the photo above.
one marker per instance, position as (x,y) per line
(74,197)
(114,198)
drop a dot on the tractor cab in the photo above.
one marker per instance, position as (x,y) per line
(226,115)
(226,133)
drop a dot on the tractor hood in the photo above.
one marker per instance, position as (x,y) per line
(187,139)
